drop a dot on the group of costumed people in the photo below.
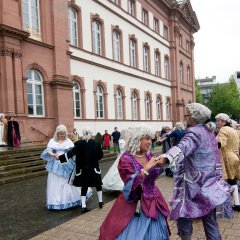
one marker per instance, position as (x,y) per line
(206,168)
(9,132)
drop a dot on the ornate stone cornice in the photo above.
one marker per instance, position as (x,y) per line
(60,80)
(8,30)
(5,51)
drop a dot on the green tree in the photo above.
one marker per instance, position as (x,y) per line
(225,98)
(199,97)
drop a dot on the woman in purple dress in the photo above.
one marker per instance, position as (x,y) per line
(198,184)
(140,212)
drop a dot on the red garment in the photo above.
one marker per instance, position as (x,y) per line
(106,140)
(123,210)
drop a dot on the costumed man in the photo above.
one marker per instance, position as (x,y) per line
(87,173)
(13,134)
(228,141)
(198,184)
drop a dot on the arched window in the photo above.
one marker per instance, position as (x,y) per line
(97,37)
(119,104)
(116,46)
(157,64)
(146,59)
(99,102)
(181,72)
(135,106)
(188,74)
(166,67)
(35,93)
(132,50)
(168,109)
(77,111)
(73,26)
(147,107)
(158,103)
(31,18)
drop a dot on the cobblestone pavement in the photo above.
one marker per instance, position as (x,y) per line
(23,213)
(86,226)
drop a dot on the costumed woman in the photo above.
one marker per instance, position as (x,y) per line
(140,212)
(13,133)
(60,194)
(198,184)
(112,180)
(88,152)
(3,130)
(228,141)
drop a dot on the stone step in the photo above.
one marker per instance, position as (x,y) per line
(22,170)
(4,162)
(22,165)
(19,177)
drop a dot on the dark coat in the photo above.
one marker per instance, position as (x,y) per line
(88,173)
(13,126)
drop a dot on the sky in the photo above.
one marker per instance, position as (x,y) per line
(217,43)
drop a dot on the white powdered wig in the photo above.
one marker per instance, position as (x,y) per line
(60,128)
(2,115)
(199,112)
(134,135)
(233,124)
(87,134)
(179,125)
(223,117)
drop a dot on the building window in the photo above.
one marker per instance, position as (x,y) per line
(167,109)
(99,102)
(116,1)
(73,27)
(166,67)
(131,7)
(31,18)
(119,104)
(180,40)
(147,107)
(156,25)
(181,72)
(116,46)
(188,74)
(187,45)
(157,64)
(146,59)
(35,93)
(158,103)
(97,37)
(165,32)
(135,106)
(132,50)
(76,100)
(145,17)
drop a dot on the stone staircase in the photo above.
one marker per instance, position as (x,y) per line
(25,163)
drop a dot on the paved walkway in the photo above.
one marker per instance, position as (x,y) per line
(86,226)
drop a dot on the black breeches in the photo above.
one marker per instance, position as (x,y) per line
(84,190)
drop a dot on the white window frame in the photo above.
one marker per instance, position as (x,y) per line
(165,32)
(116,46)
(33,83)
(144,17)
(148,108)
(145,59)
(156,25)
(131,7)
(132,46)
(181,72)
(167,109)
(73,26)
(188,74)
(158,104)
(166,67)
(97,37)
(135,106)
(99,102)
(77,91)
(157,64)
(27,16)
(119,102)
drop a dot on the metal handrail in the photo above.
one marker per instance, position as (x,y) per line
(34,129)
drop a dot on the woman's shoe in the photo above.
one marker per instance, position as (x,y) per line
(100,204)
(236,208)
(84,210)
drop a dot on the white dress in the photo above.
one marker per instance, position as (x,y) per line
(112,180)
(60,194)
(1,134)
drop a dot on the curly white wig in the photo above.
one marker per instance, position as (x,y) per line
(199,112)
(223,117)
(60,128)
(2,115)
(134,135)
(179,125)
(87,134)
